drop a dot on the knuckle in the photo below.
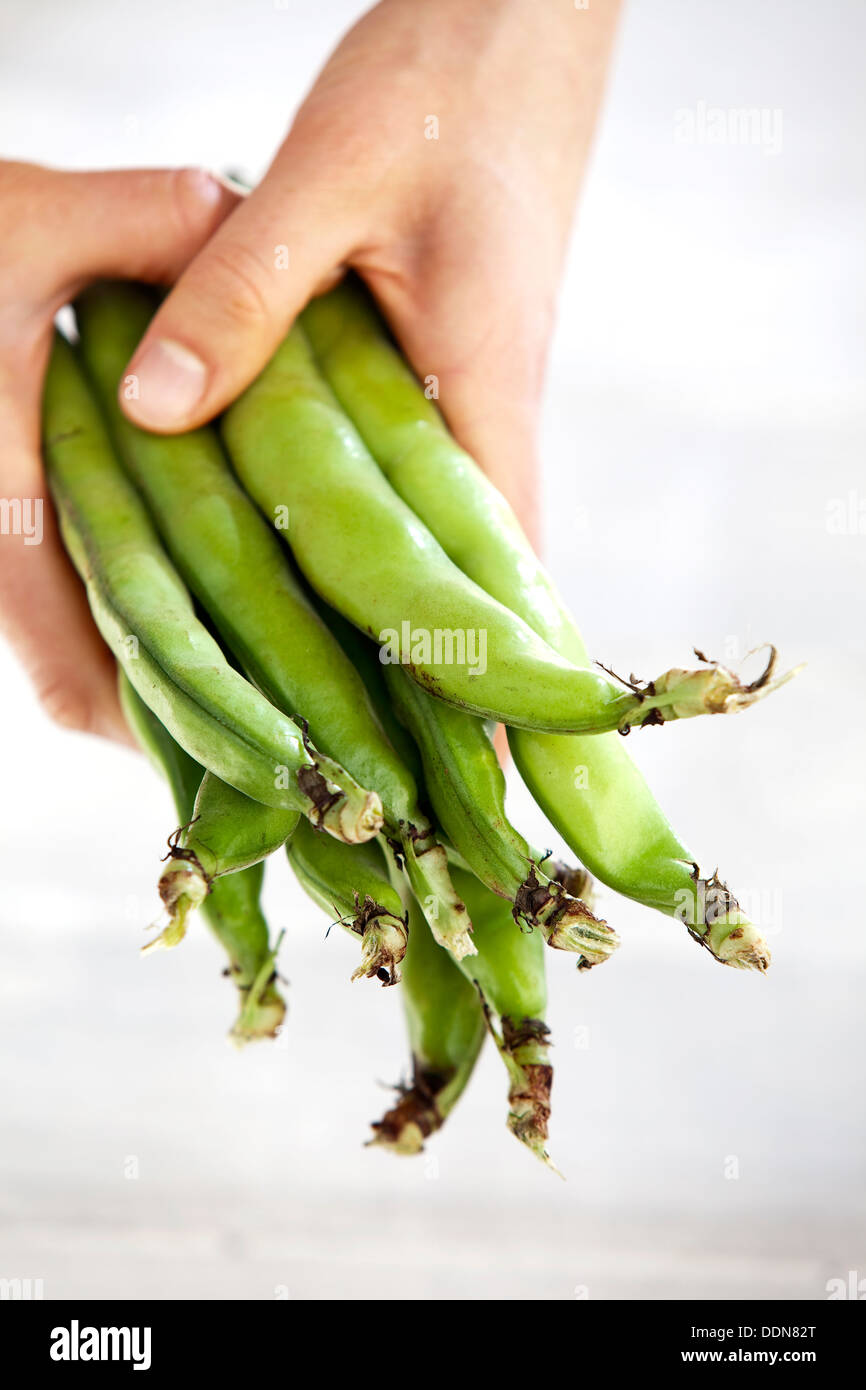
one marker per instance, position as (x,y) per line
(64,704)
(239,278)
(194,194)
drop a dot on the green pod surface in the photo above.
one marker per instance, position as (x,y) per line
(422,461)
(509,972)
(229,832)
(232,561)
(232,911)
(352,885)
(226,833)
(146,616)
(465,784)
(466,787)
(446,1026)
(421,855)
(364,656)
(231,908)
(510,968)
(371,558)
(588,787)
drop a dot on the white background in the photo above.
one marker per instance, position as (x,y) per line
(705,409)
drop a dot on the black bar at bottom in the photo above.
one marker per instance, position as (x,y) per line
(69,1338)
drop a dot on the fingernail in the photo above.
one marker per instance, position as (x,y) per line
(169,382)
(206,186)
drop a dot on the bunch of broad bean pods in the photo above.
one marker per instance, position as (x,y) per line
(320,608)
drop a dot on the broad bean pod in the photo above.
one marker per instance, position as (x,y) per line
(424,860)
(352,883)
(446,1025)
(234,564)
(145,614)
(509,973)
(588,787)
(226,833)
(231,908)
(466,787)
(371,558)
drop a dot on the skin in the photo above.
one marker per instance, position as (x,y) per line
(436,227)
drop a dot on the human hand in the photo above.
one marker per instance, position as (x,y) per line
(59,231)
(439,154)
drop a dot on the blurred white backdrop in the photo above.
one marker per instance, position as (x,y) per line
(705,413)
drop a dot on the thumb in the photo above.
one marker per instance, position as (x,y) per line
(236,301)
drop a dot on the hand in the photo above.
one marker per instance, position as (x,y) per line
(58,231)
(439,154)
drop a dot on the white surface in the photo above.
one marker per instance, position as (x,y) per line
(705,407)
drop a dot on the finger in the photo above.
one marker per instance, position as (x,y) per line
(485,348)
(43,609)
(236,301)
(141,224)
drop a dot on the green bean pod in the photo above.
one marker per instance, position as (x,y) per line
(421,856)
(226,833)
(371,558)
(406,435)
(146,616)
(588,787)
(466,787)
(509,974)
(231,908)
(446,1026)
(233,913)
(364,656)
(352,884)
(234,564)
